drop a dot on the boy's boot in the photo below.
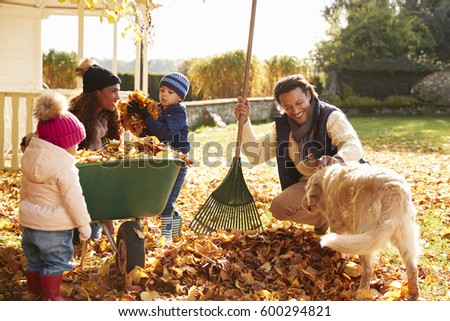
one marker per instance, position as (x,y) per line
(166,228)
(51,288)
(33,282)
(177,224)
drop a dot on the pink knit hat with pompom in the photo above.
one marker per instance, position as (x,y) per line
(56,125)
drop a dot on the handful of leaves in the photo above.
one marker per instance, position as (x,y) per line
(131,121)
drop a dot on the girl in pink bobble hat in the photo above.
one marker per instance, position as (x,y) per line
(51,199)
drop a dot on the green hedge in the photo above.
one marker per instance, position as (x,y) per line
(349,99)
(381,78)
(153,83)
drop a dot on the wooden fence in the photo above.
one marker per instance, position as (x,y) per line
(13,102)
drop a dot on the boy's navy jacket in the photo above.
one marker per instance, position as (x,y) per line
(171,127)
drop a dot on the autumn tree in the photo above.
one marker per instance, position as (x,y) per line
(373,30)
(435,14)
(220,76)
(59,69)
(277,67)
(136,12)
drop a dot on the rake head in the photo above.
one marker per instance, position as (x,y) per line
(230,206)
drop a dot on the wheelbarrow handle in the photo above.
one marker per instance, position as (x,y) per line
(84,245)
(109,236)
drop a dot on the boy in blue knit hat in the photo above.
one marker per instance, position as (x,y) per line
(172,128)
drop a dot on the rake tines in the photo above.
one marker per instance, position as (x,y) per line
(230,206)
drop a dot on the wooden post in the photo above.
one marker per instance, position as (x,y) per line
(29,110)
(15,131)
(2,130)
(114,61)
(80,53)
(137,68)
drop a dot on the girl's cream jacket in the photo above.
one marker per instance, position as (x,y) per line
(51,198)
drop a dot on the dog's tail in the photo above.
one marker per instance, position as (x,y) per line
(359,244)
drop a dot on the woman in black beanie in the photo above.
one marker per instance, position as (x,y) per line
(95,107)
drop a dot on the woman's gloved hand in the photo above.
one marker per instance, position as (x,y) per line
(85,232)
(133,107)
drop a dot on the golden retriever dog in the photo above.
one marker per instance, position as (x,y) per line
(366,207)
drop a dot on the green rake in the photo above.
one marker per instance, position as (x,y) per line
(231,205)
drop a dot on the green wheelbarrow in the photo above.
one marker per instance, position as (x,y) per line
(129,188)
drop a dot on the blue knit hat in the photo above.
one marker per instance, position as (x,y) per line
(177,82)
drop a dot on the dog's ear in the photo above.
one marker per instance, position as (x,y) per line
(315,191)
(312,197)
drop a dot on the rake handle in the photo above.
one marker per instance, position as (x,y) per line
(246,77)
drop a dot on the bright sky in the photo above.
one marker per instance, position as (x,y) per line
(185,29)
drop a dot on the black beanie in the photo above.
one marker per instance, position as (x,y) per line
(97,77)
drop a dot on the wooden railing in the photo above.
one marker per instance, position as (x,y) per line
(9,159)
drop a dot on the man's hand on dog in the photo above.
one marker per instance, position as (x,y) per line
(329,160)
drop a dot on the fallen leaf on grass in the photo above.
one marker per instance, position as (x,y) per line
(367,294)
(445,233)
(137,274)
(149,295)
(191,293)
(393,294)
(89,286)
(353,269)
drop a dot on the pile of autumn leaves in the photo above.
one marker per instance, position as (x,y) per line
(282,263)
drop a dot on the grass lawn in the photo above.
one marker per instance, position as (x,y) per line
(412,133)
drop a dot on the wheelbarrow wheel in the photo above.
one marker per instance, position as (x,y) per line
(130,247)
